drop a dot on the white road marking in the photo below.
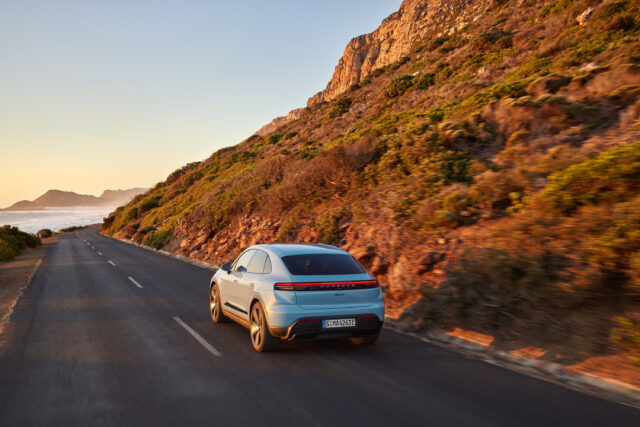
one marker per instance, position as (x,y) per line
(88,244)
(134,282)
(93,248)
(111,262)
(99,253)
(198,338)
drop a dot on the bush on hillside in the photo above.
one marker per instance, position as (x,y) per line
(341,106)
(609,177)
(148,204)
(328,225)
(426,81)
(399,85)
(13,241)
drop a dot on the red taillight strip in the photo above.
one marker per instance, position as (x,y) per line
(301,286)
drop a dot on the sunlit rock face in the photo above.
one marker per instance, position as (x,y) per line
(394,38)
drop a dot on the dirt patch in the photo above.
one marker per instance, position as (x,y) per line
(15,276)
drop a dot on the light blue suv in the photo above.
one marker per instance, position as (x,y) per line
(297,291)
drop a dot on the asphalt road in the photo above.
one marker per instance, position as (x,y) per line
(106,335)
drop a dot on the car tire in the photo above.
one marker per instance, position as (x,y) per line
(261,338)
(366,340)
(215,305)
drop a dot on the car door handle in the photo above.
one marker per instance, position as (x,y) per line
(235,281)
(251,285)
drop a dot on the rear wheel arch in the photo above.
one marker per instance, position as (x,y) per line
(255,300)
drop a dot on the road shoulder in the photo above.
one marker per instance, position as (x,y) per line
(15,277)
(587,383)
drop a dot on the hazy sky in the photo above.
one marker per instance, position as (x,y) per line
(117,94)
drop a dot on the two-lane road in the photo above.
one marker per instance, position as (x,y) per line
(108,333)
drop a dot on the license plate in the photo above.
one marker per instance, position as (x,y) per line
(338,323)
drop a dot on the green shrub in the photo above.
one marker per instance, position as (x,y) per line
(426,81)
(7,252)
(552,8)
(437,42)
(612,9)
(399,63)
(498,38)
(416,66)
(341,106)
(399,85)
(586,50)
(123,218)
(159,238)
(452,205)
(622,23)
(613,175)
(274,138)
(148,204)
(496,92)
(328,224)
(13,241)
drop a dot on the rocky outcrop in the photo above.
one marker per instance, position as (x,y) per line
(280,121)
(584,16)
(394,38)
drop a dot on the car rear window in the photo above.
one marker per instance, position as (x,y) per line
(321,264)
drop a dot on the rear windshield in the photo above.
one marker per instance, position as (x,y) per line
(321,264)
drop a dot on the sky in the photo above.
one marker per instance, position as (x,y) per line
(117,94)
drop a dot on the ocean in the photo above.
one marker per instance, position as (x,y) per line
(53,219)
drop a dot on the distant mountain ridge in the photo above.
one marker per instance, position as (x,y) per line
(59,198)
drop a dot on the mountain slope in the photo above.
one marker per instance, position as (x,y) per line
(489,176)
(58,198)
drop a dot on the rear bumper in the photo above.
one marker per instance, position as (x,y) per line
(310,328)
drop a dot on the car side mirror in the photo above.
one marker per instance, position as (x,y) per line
(226,266)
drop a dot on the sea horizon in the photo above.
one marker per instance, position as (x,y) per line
(53,218)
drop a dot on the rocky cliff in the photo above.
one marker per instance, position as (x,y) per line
(485,168)
(396,36)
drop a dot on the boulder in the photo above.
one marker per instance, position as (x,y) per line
(585,16)
(427,262)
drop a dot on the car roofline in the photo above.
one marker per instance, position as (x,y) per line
(280,249)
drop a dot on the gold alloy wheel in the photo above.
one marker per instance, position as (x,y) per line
(257,326)
(213,303)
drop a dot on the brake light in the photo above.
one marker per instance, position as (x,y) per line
(283,287)
(326,286)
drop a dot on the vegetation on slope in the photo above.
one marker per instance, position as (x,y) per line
(516,136)
(14,241)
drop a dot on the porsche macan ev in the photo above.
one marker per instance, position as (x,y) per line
(297,292)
